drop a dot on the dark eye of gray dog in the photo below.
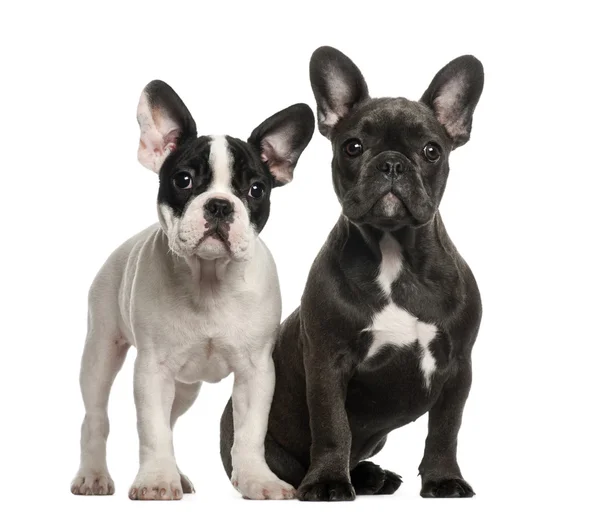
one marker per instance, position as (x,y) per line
(353,147)
(432,152)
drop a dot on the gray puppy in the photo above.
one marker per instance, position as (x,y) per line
(197,294)
(391,310)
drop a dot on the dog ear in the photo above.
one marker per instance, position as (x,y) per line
(453,95)
(164,122)
(281,139)
(338,86)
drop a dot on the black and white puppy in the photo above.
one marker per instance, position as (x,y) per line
(390,311)
(197,294)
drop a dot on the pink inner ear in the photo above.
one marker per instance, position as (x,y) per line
(170,140)
(158,135)
(276,155)
(448,107)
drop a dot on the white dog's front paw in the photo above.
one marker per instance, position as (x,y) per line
(156,485)
(264,486)
(92,482)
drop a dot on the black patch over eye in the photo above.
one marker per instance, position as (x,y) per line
(432,152)
(183,180)
(353,147)
(257,190)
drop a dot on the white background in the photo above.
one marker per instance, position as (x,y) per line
(520,205)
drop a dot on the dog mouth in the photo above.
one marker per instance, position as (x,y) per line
(388,211)
(219,232)
(386,207)
(384,200)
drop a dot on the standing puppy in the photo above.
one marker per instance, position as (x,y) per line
(390,311)
(196,294)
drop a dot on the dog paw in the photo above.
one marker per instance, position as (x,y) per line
(186,484)
(156,486)
(262,488)
(447,488)
(370,479)
(390,484)
(327,490)
(90,482)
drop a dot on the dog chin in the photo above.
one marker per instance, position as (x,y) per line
(240,250)
(212,249)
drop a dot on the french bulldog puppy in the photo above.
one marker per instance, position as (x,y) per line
(197,294)
(391,310)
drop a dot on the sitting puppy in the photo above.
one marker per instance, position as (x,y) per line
(196,294)
(390,311)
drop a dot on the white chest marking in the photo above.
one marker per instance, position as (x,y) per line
(394,325)
(391,263)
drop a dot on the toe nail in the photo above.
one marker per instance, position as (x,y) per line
(163,492)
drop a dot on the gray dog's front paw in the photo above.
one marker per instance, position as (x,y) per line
(327,490)
(447,488)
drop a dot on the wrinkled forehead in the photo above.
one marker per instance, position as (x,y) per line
(394,118)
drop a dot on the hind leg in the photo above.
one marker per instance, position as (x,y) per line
(103,357)
(370,479)
(185,396)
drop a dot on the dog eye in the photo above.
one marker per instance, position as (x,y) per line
(183,180)
(431,152)
(257,190)
(353,147)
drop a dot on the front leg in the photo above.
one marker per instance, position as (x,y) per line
(154,390)
(253,389)
(328,477)
(440,475)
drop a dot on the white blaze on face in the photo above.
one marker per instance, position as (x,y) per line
(221,164)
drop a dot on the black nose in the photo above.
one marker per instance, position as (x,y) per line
(219,208)
(390,169)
